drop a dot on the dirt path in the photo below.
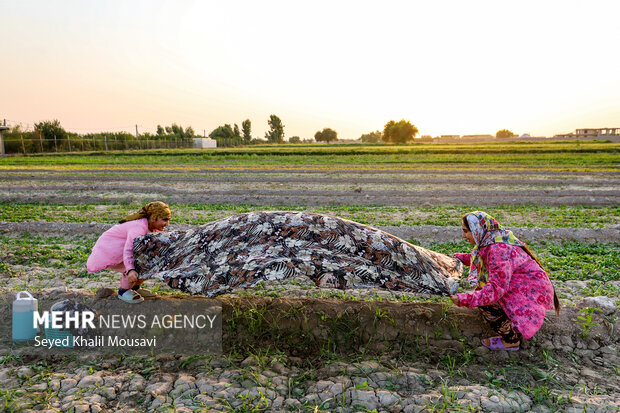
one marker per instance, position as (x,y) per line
(139,193)
(312,188)
(313,179)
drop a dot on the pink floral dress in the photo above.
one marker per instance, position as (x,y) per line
(516,282)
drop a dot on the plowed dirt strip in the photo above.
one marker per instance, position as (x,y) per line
(313,198)
(311,179)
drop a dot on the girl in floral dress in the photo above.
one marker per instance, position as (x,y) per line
(513,291)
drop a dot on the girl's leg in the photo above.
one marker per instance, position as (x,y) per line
(118,267)
(125,284)
(500,323)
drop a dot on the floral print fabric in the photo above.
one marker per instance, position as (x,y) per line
(516,282)
(244,249)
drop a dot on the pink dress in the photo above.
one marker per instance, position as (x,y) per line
(516,282)
(115,246)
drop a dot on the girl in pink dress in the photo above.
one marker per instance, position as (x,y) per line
(513,291)
(114,249)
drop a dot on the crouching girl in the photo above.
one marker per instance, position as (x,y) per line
(114,248)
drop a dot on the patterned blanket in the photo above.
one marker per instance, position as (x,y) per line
(239,251)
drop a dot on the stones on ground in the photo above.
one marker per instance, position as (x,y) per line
(24,372)
(67,384)
(159,388)
(364,398)
(363,386)
(90,381)
(606,304)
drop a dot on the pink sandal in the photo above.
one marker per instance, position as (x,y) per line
(495,343)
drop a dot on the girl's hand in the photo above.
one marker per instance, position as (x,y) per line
(132,276)
(455,299)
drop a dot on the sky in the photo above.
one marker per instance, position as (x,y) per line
(449,67)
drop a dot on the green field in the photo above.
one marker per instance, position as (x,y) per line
(59,193)
(199,214)
(573,156)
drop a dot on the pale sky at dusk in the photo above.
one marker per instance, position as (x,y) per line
(449,67)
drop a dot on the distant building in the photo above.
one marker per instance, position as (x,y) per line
(204,143)
(591,133)
(2,129)
(450,137)
(477,137)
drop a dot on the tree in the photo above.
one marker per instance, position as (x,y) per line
(50,131)
(276,130)
(294,139)
(222,132)
(236,131)
(399,132)
(246,127)
(504,133)
(177,130)
(225,136)
(326,135)
(372,137)
(171,132)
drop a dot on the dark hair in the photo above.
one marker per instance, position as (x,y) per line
(556,300)
(464,219)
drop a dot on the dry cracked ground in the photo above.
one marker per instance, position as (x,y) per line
(364,350)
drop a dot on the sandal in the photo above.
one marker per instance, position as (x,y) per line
(145,293)
(495,343)
(131,297)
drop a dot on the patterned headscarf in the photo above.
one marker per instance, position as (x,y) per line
(486,231)
(154,210)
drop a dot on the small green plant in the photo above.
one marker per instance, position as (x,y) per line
(362,386)
(585,320)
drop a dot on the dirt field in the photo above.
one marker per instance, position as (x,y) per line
(306,188)
(290,346)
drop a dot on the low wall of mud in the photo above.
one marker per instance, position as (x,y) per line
(308,326)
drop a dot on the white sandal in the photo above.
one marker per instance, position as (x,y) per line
(131,297)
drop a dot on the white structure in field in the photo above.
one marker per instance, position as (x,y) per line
(2,129)
(204,143)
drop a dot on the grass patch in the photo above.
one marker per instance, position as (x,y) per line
(563,155)
(199,214)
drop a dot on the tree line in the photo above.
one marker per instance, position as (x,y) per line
(50,136)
